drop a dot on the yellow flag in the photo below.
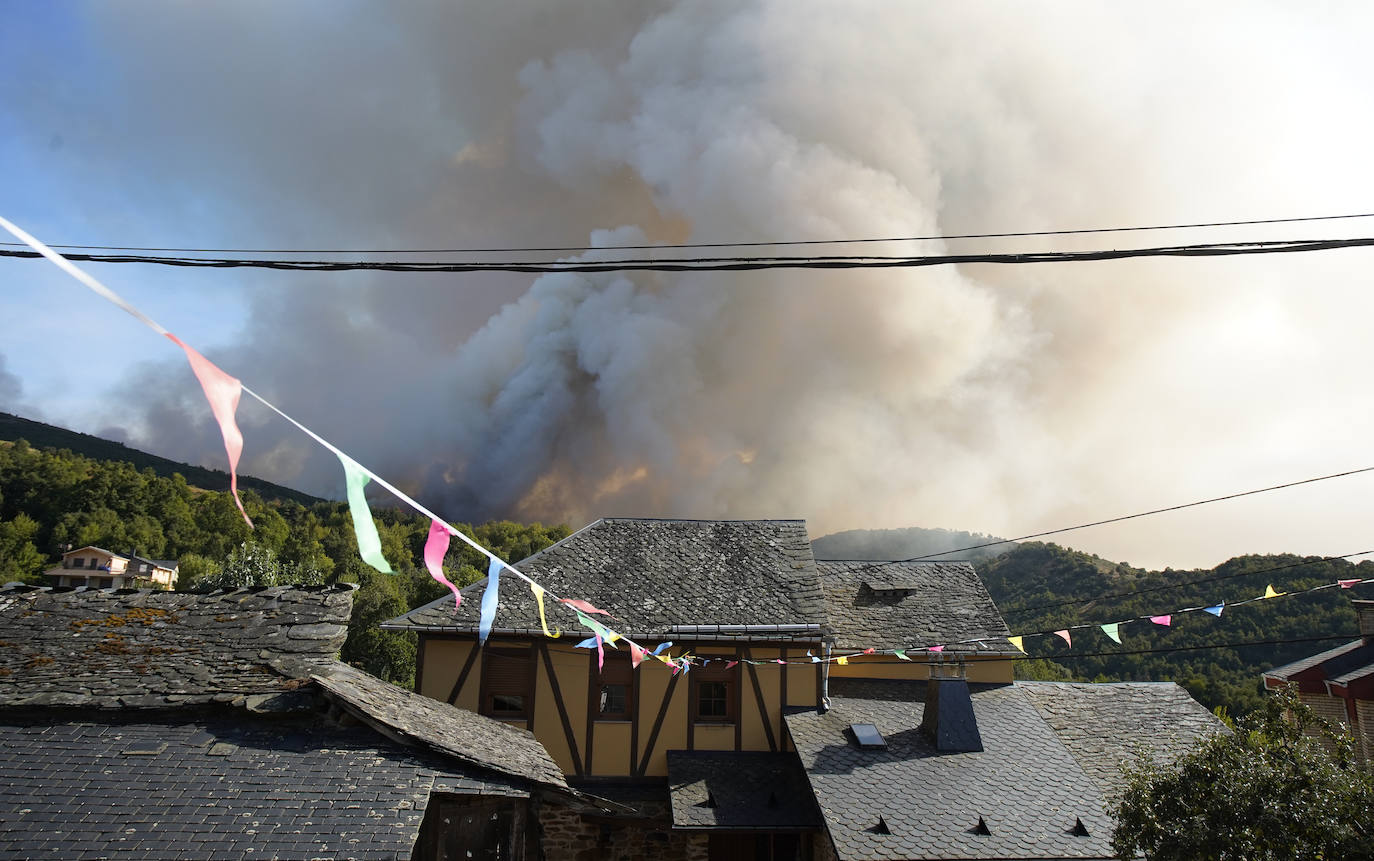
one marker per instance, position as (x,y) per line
(1270,593)
(842,660)
(539,596)
(1016,641)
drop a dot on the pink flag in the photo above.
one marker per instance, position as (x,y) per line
(729,664)
(578,604)
(870,650)
(435,548)
(1065,634)
(1162,620)
(936,649)
(636,655)
(1346,584)
(222,391)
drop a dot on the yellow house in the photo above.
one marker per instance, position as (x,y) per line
(97,568)
(746,598)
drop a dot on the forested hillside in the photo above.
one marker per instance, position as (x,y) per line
(50,499)
(905,544)
(1044,587)
(42,435)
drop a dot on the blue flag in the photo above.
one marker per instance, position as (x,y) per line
(489,598)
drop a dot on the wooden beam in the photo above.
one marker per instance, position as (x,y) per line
(463,676)
(763,707)
(562,709)
(534,687)
(634,717)
(738,705)
(592,698)
(658,724)
(782,694)
(420,662)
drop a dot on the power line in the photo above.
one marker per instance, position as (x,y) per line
(1198,648)
(730,264)
(1000,541)
(1211,579)
(584,248)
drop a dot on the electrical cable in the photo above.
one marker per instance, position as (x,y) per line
(1347,637)
(585,248)
(1212,579)
(932,556)
(732,264)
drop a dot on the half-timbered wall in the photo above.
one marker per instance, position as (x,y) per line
(565,694)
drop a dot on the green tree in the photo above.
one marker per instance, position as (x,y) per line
(1282,785)
(388,655)
(19,557)
(256,564)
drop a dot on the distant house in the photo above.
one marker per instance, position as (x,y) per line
(98,568)
(1338,684)
(166,725)
(938,756)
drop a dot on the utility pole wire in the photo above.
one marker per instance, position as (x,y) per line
(730,264)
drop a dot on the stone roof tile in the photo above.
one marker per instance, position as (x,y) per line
(652,575)
(894,605)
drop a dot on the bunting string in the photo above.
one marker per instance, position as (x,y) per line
(223,392)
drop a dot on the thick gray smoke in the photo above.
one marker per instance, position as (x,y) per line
(997,399)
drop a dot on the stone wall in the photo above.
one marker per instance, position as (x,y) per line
(566,835)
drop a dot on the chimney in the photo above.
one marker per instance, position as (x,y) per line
(948,719)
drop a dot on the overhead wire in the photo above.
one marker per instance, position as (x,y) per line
(685,245)
(731,264)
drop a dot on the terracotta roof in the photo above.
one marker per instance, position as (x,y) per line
(891,605)
(652,575)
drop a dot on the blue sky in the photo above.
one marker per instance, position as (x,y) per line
(1000,400)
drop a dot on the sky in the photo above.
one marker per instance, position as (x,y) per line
(1002,399)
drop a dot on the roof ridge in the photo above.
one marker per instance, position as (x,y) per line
(706,519)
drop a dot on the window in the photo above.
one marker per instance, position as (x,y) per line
(79,562)
(616,688)
(506,684)
(713,692)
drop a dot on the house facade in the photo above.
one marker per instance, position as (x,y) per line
(1338,684)
(751,750)
(97,568)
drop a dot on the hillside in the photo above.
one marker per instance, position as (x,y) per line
(905,544)
(1044,587)
(42,435)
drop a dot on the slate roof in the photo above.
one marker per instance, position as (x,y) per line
(744,790)
(89,679)
(1332,662)
(937,603)
(455,732)
(1103,725)
(155,649)
(210,788)
(652,575)
(910,801)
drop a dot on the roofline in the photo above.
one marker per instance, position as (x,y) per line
(892,561)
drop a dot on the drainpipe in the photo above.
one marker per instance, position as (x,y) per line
(825,679)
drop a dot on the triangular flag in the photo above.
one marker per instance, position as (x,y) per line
(842,660)
(436,545)
(1017,642)
(1270,593)
(780,661)
(636,655)
(543,623)
(222,391)
(578,604)
(901,654)
(489,599)
(870,650)
(369,545)
(1165,620)
(936,649)
(1112,629)
(814,659)
(729,664)
(1346,584)
(1216,609)
(1065,635)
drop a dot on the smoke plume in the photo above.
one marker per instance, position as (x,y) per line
(998,399)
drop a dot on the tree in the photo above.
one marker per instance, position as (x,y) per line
(1282,785)
(254,564)
(19,558)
